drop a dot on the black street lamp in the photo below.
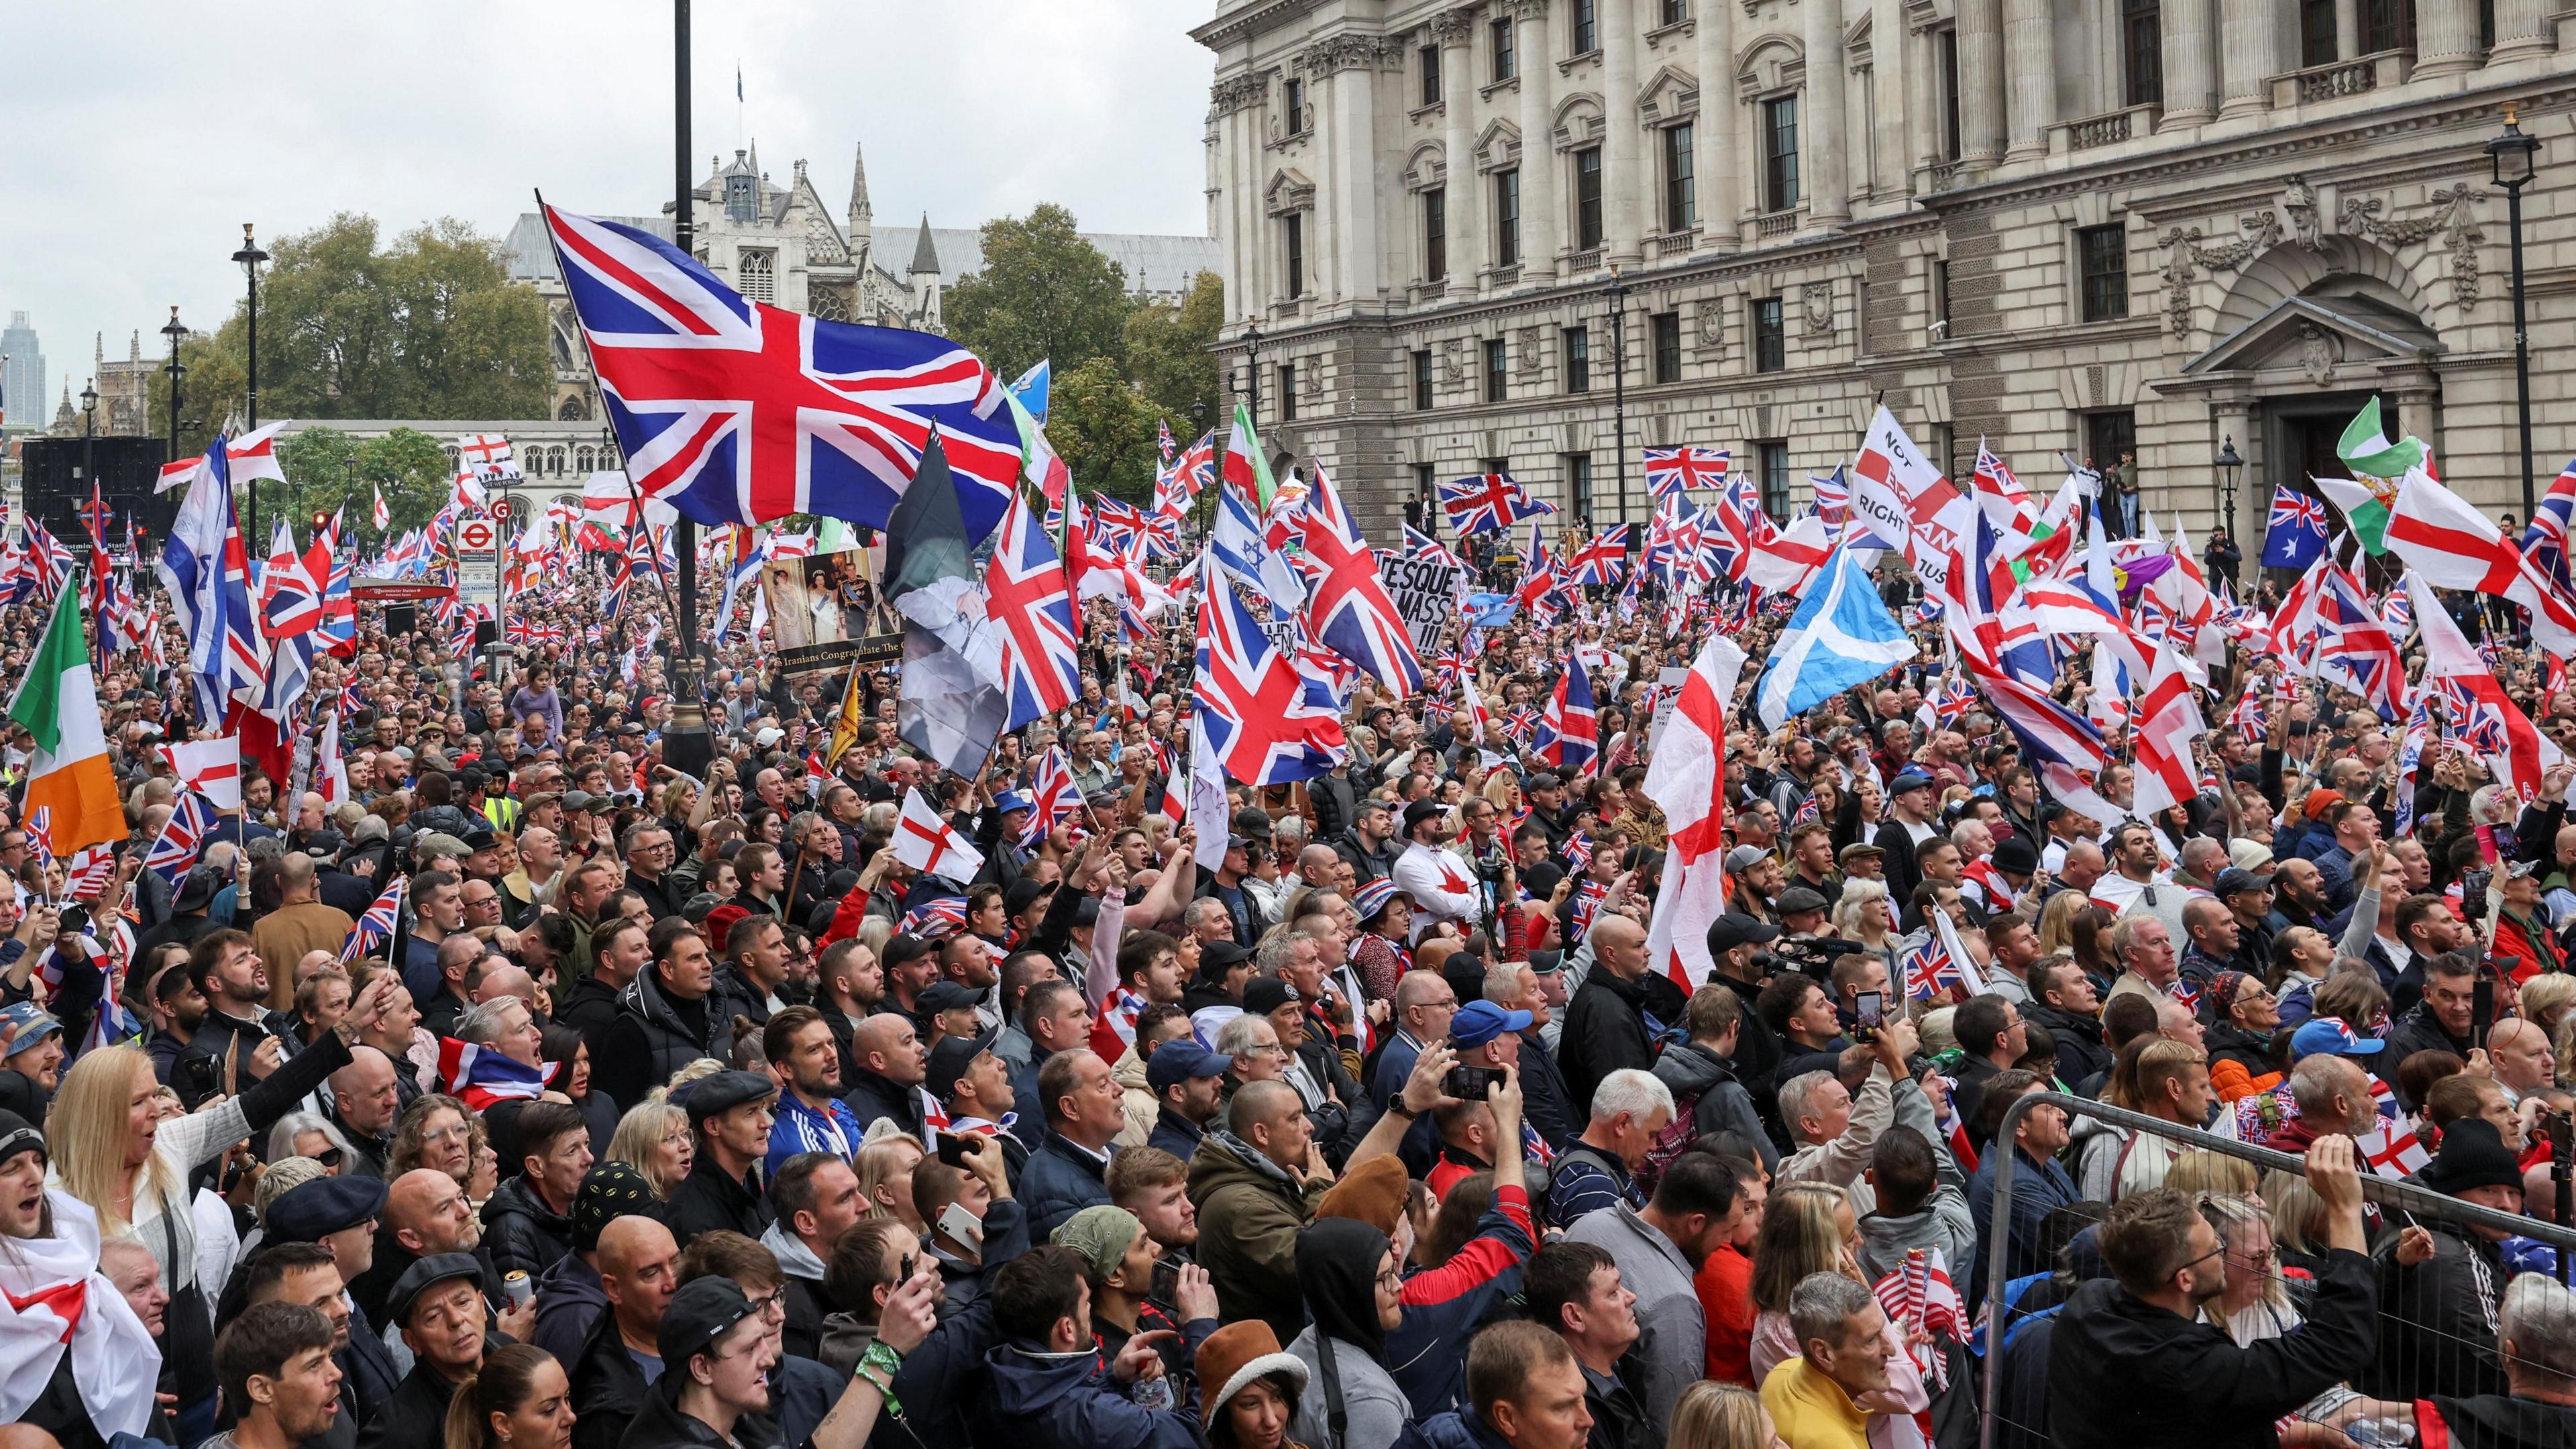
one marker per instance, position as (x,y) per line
(250,256)
(174,332)
(2516,159)
(2228,463)
(1617,290)
(89,430)
(1252,366)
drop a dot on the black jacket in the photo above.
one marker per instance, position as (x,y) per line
(1175,1134)
(523,1233)
(1605,1031)
(707,1200)
(2081,1054)
(2439,1335)
(2499,1423)
(2419,1031)
(416,1416)
(2229,1042)
(608,1390)
(588,1007)
(1617,1402)
(1059,1181)
(1547,1100)
(2123,1372)
(654,1035)
(870,1096)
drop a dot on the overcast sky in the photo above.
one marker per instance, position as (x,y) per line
(143,134)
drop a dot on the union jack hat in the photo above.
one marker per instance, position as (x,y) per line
(1371,901)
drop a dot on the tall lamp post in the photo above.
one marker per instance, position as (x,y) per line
(1617,290)
(89,428)
(1252,366)
(174,332)
(250,256)
(686,746)
(2516,157)
(2228,464)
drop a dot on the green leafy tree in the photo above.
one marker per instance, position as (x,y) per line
(1169,351)
(327,470)
(1103,428)
(1043,293)
(429,327)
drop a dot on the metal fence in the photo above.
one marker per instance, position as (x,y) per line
(2400,1202)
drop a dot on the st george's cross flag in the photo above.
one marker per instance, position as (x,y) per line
(2168,720)
(924,840)
(2489,723)
(1686,777)
(211,768)
(1840,636)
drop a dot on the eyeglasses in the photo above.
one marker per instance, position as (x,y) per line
(1390,1282)
(328,1156)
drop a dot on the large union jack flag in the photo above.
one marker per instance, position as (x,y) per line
(1569,732)
(1267,721)
(1025,593)
(1488,503)
(1604,560)
(733,411)
(1672,470)
(2544,542)
(1349,611)
(376,927)
(2354,646)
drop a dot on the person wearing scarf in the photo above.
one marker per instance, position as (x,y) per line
(75,1361)
(1349,1278)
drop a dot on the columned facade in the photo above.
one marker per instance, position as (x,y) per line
(2057,227)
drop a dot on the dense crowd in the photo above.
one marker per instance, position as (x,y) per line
(674,1109)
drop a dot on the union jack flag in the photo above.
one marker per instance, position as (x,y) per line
(1268,722)
(1588,895)
(479,1076)
(1808,810)
(176,849)
(1733,529)
(290,599)
(2544,542)
(2354,645)
(1952,702)
(1349,610)
(49,563)
(1488,503)
(1054,796)
(734,411)
(1920,1295)
(1025,592)
(1929,971)
(1520,722)
(1605,559)
(2479,724)
(1193,473)
(92,868)
(1578,851)
(1569,735)
(1833,496)
(1121,526)
(1166,447)
(376,928)
(935,918)
(1672,470)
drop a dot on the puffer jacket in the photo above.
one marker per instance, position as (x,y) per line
(525,1234)
(649,1041)
(1046,1400)
(1250,1212)
(1059,1180)
(1136,1099)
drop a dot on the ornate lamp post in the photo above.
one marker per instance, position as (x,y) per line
(1252,365)
(2228,464)
(89,429)
(250,256)
(174,332)
(2516,157)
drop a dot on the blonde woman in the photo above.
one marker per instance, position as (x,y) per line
(2252,1305)
(2199,1172)
(113,1150)
(1867,914)
(1711,1415)
(653,1138)
(885,1178)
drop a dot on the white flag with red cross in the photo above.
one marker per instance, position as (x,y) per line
(928,843)
(1687,778)
(212,768)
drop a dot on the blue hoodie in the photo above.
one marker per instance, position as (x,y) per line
(1042,1400)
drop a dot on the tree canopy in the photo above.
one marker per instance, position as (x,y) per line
(327,469)
(1043,293)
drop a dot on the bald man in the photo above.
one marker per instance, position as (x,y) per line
(365,1100)
(639,1267)
(500,981)
(892,1064)
(301,923)
(2520,1051)
(425,1213)
(1605,1021)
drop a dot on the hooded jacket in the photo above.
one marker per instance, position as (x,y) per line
(803,1290)
(524,1233)
(1337,1263)
(570,1303)
(608,1389)
(1250,1213)
(1042,1400)
(650,1040)
(1943,1224)
(2081,1054)
(2122,1371)
(1724,1105)
(1445,1306)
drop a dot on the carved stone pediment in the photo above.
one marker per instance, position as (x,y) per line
(1670,94)
(1498,146)
(2317,334)
(1288,191)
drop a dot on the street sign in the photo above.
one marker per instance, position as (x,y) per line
(478,564)
(477,535)
(503,509)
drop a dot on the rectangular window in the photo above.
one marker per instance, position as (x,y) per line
(1681,199)
(2142,51)
(1946,56)
(1587,198)
(1577,468)
(2102,254)
(1293,229)
(1780,154)
(1426,497)
(2109,436)
(2387,25)
(1578,359)
(1587,27)
(1941,291)
(1772,461)
(1292,96)
(1770,336)
(1506,59)
(1497,371)
(1287,376)
(1507,218)
(1431,75)
(1665,331)
(1672,12)
(1422,381)
(1435,234)
(2316,32)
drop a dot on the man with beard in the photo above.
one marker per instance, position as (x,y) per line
(178,1008)
(233,1032)
(849,983)
(1440,885)
(2299,896)
(806,1061)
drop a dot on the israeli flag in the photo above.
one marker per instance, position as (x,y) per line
(1841,636)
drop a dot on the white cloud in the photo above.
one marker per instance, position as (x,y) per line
(144,133)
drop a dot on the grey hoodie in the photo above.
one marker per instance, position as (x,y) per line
(1724,1105)
(1944,1224)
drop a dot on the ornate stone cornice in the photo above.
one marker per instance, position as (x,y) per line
(1233,93)
(1250,20)
(1337,53)
(1454,25)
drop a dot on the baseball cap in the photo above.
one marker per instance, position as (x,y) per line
(1253,821)
(1910,778)
(944,996)
(700,1313)
(1479,1022)
(954,1055)
(2235,881)
(33,1024)
(1743,857)
(1181,1059)
(1265,994)
(1736,929)
(2329,1036)
(1010,800)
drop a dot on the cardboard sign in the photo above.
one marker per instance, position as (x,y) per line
(1425,592)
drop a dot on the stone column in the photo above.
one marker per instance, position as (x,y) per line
(1354,195)
(1626,179)
(2347,29)
(1259,285)
(1981,81)
(1326,278)
(2190,63)
(1468,253)
(2250,49)
(1721,156)
(2030,78)
(1824,134)
(2523,31)
(2446,37)
(1542,235)
(1222,200)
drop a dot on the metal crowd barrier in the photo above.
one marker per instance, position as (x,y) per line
(2389,1193)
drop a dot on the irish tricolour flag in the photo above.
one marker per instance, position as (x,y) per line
(58,704)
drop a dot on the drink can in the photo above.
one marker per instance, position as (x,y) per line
(516,1284)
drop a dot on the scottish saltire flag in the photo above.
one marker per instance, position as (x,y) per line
(734,411)
(480,1076)
(1673,470)
(2295,532)
(376,927)
(1840,636)
(1569,731)
(1268,723)
(182,841)
(1488,503)
(1350,611)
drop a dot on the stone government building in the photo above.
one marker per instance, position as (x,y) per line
(2158,224)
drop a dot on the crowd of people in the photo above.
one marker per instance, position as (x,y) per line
(675,1109)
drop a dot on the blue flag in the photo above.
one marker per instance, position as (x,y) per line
(1842,635)
(1034,388)
(2296,531)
